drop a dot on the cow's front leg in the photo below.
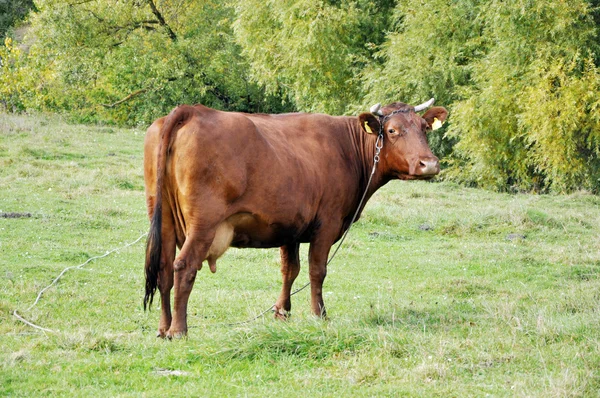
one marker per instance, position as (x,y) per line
(317,257)
(290,267)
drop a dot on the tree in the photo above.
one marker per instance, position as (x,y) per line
(313,50)
(130,62)
(529,119)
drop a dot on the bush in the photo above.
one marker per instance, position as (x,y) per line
(529,119)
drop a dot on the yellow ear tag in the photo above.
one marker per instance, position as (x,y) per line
(436,124)
(367,128)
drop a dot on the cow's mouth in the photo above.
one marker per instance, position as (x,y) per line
(409,177)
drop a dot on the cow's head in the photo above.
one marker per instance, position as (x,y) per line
(405,152)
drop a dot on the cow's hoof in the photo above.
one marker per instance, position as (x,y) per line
(173,334)
(281,314)
(162,330)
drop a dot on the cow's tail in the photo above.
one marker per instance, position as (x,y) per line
(154,242)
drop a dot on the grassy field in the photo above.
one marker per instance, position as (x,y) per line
(439,290)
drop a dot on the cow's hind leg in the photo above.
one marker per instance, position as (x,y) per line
(165,273)
(290,267)
(186,265)
(165,284)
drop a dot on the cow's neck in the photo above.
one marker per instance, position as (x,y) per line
(364,147)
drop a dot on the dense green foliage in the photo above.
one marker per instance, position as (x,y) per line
(439,290)
(520,77)
(311,49)
(530,116)
(122,62)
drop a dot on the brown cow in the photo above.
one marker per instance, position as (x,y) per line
(218,179)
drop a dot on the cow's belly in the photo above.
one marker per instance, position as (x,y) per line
(252,231)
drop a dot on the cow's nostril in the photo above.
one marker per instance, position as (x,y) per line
(428,167)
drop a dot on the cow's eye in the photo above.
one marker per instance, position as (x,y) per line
(392,131)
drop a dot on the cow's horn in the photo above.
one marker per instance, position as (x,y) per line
(424,105)
(375,109)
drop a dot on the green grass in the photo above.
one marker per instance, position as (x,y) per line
(439,290)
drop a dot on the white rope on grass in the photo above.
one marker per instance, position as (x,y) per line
(33,325)
(39,296)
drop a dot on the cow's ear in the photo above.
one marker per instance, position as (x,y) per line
(435,117)
(369,123)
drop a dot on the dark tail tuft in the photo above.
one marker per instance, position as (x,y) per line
(153,253)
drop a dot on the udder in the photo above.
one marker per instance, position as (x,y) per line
(220,244)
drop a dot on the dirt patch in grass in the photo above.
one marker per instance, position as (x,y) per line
(15,215)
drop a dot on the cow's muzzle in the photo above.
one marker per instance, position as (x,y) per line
(426,167)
